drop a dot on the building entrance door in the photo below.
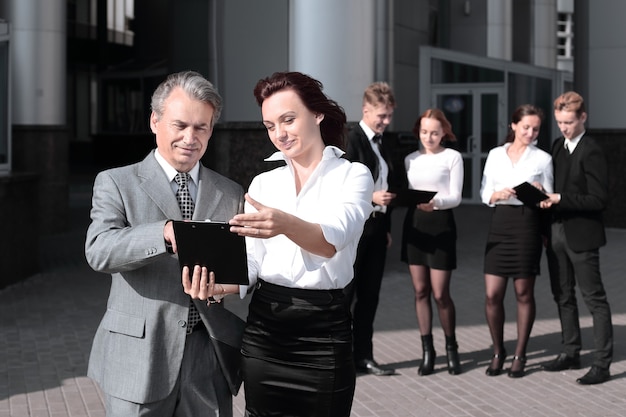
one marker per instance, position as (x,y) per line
(477,115)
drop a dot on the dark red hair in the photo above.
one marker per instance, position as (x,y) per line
(332,127)
(436,114)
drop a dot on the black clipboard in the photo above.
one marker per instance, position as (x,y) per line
(411,198)
(213,245)
(529,194)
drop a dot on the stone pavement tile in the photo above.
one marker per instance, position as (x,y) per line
(47,324)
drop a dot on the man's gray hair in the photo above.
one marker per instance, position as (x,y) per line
(192,83)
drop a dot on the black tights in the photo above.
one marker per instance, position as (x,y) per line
(495,289)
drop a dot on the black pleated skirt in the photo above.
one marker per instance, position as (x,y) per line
(429,239)
(514,242)
(297,353)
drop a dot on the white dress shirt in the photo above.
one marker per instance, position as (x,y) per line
(570,144)
(534,165)
(336,196)
(441,172)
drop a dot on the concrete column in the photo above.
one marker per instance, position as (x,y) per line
(335,42)
(40,138)
(499,29)
(38,46)
(543,44)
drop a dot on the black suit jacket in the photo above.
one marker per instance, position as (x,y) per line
(360,150)
(582,180)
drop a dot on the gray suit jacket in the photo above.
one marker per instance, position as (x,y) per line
(138,347)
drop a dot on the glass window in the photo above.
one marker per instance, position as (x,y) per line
(82,17)
(126,104)
(525,89)
(565,35)
(5,128)
(489,122)
(120,14)
(123,106)
(454,72)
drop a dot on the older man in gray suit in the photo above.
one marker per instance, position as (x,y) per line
(147,356)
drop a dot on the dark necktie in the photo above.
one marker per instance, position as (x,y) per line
(183,196)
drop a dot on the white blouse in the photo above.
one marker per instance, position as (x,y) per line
(441,172)
(338,196)
(534,165)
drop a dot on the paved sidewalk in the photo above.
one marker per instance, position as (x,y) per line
(47,323)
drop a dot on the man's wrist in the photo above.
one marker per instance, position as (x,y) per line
(218,297)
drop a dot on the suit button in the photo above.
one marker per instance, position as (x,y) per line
(182,323)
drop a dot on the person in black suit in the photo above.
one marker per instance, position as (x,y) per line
(365,146)
(577,233)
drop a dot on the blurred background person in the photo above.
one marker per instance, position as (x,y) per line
(365,145)
(577,232)
(429,233)
(514,242)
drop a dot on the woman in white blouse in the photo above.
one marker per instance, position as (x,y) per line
(302,224)
(429,233)
(514,242)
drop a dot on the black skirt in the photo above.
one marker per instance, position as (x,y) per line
(514,242)
(297,353)
(429,239)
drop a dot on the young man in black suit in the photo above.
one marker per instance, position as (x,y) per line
(577,233)
(365,146)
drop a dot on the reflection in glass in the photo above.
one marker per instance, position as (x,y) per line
(489,122)
(458,109)
(537,91)
(454,72)
(4,105)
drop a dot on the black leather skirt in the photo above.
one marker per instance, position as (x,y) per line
(297,353)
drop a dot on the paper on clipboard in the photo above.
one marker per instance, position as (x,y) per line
(213,245)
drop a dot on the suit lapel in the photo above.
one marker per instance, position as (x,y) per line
(370,159)
(558,165)
(209,196)
(154,183)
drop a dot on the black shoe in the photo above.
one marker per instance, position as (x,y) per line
(499,359)
(519,372)
(369,366)
(596,375)
(428,356)
(452,356)
(562,362)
